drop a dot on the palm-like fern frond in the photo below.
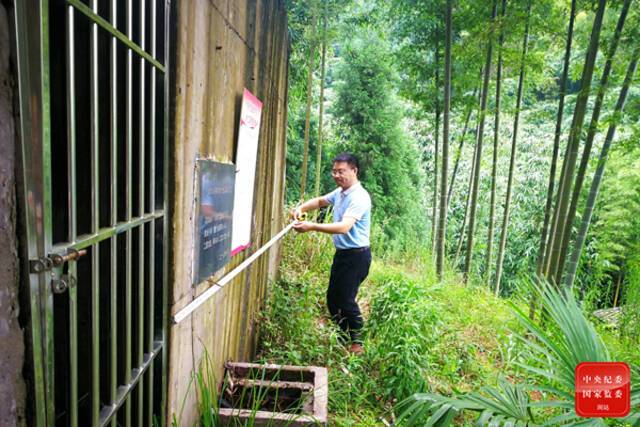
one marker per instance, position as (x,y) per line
(570,339)
(507,405)
(556,351)
(428,409)
(553,354)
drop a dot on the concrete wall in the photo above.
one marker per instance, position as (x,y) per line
(222,47)
(12,387)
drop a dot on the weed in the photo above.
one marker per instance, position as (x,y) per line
(419,335)
(554,352)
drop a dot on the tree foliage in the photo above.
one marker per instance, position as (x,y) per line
(368,118)
(381,99)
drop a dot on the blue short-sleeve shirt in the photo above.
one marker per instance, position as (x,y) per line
(356,203)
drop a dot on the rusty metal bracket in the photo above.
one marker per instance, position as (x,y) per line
(71,255)
(40,265)
(43,264)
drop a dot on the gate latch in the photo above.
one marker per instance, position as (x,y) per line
(40,265)
(72,254)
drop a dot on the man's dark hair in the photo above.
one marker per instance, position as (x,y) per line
(348,158)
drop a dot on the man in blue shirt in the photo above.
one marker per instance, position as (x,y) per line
(350,229)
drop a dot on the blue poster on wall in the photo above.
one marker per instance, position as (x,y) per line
(214,217)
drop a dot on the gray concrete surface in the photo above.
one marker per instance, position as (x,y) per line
(12,387)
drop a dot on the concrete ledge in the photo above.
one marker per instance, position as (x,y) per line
(299,395)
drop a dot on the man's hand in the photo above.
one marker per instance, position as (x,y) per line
(304,226)
(297,213)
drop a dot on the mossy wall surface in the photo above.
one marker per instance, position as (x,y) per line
(223,46)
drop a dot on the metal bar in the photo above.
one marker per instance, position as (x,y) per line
(107,413)
(141,119)
(85,240)
(48,321)
(114,212)
(71,124)
(29,49)
(152,224)
(186,311)
(126,39)
(141,199)
(71,167)
(47,307)
(95,219)
(166,239)
(128,201)
(73,343)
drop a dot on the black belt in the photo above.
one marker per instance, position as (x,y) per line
(352,250)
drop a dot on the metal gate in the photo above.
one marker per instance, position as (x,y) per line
(94,114)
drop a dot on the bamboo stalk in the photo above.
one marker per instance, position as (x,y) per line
(512,160)
(574,141)
(544,234)
(307,122)
(321,101)
(442,225)
(460,149)
(586,153)
(496,140)
(597,177)
(434,208)
(483,110)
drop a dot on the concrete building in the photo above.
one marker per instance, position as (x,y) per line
(107,111)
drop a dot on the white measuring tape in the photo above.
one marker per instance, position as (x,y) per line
(202,298)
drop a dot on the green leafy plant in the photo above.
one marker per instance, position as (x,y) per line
(419,334)
(553,353)
(507,404)
(257,397)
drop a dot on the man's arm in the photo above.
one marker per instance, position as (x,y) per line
(341,227)
(310,205)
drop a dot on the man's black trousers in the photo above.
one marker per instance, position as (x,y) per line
(349,269)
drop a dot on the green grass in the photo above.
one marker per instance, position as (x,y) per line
(420,336)
(546,396)
(434,352)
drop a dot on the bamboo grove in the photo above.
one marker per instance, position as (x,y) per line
(485,129)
